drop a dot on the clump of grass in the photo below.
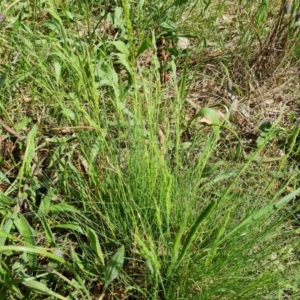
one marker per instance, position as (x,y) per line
(111,189)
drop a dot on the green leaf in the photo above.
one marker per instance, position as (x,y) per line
(123,60)
(71,226)
(183,80)
(52,25)
(94,241)
(118,20)
(29,153)
(144,46)
(6,227)
(211,115)
(63,207)
(48,232)
(221,177)
(5,179)
(69,113)
(125,110)
(209,170)
(19,126)
(167,25)
(114,266)
(176,245)
(57,70)
(69,15)
(186,145)
(173,51)
(121,47)
(2,78)
(265,127)
(19,78)
(17,22)
(40,288)
(294,137)
(76,259)
(45,205)
(7,281)
(28,234)
(192,233)
(180,2)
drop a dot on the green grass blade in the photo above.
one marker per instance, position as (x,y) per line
(95,244)
(48,232)
(183,90)
(7,281)
(40,288)
(271,208)
(176,246)
(76,259)
(73,226)
(63,207)
(30,150)
(2,79)
(29,236)
(25,168)
(6,227)
(50,255)
(45,206)
(193,231)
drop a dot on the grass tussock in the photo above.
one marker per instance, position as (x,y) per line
(149,150)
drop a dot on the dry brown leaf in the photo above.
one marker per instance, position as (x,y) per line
(205,120)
